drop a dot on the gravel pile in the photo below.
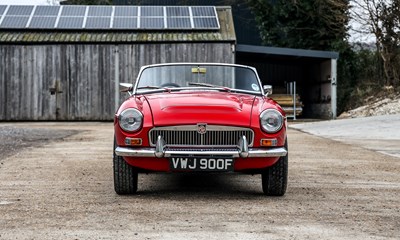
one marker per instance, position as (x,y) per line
(381,106)
(14,139)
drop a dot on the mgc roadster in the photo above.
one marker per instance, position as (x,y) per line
(199,117)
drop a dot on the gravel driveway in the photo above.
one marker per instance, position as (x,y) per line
(378,133)
(63,189)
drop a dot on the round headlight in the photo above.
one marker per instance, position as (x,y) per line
(130,120)
(271,120)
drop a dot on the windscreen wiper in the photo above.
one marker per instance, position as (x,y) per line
(149,87)
(201,84)
(156,89)
(209,85)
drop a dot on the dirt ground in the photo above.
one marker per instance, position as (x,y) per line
(62,188)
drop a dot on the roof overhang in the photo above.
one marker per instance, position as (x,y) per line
(289,52)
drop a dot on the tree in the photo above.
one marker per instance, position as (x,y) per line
(311,24)
(382,19)
(307,24)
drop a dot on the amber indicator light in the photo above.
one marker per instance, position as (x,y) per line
(269,142)
(133,141)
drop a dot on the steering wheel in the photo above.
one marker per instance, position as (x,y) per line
(169,84)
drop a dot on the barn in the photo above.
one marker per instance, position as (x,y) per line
(66,62)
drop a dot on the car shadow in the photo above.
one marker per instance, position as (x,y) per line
(200,185)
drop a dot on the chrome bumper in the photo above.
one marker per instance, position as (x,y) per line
(151,152)
(243,151)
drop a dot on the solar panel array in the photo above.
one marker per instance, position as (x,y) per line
(108,17)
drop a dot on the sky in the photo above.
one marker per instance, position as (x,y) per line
(356,36)
(29,2)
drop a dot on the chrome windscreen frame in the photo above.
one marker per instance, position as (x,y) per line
(134,91)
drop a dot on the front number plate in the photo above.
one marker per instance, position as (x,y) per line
(201,164)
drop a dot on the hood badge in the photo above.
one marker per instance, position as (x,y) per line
(202,128)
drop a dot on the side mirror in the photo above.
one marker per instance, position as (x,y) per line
(267,90)
(125,87)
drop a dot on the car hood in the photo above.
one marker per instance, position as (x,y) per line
(218,108)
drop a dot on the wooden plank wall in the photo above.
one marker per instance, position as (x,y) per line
(26,74)
(85,76)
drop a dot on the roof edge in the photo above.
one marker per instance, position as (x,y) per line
(287,51)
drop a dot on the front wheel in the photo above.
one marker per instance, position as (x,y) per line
(125,176)
(274,178)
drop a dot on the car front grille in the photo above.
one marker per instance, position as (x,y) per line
(187,136)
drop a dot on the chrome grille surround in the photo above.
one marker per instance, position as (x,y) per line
(217,136)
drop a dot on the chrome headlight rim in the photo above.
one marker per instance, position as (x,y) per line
(130,120)
(266,125)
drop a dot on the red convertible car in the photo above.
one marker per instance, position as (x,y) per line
(200,117)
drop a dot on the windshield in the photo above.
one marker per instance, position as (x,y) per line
(198,76)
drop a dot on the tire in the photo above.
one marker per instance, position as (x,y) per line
(274,178)
(125,176)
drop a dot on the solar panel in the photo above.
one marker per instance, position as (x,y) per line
(99,11)
(152,11)
(205,17)
(179,23)
(19,11)
(203,11)
(124,23)
(2,8)
(125,11)
(46,11)
(70,23)
(14,22)
(177,11)
(42,22)
(152,23)
(205,23)
(98,22)
(73,11)
(108,17)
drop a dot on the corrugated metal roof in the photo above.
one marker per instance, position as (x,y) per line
(225,34)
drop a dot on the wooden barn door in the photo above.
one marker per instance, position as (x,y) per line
(27,73)
(86,87)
